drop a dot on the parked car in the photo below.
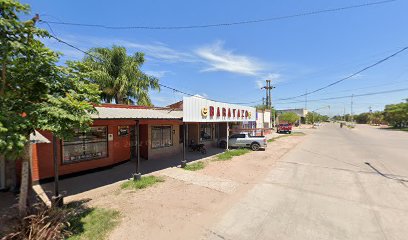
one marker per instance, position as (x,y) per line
(244,140)
(284,127)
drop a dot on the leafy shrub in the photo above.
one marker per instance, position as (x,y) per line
(41,223)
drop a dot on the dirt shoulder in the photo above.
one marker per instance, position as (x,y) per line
(185,205)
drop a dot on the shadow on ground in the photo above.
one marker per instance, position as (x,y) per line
(394,129)
(78,184)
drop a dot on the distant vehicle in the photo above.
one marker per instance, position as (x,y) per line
(284,127)
(317,124)
(244,140)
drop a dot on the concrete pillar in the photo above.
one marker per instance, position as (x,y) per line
(227,134)
(185,140)
(137,175)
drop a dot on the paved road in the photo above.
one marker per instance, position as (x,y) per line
(337,184)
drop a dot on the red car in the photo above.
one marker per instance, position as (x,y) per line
(284,127)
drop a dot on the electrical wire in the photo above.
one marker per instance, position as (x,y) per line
(302,95)
(224,24)
(349,96)
(160,84)
(351,75)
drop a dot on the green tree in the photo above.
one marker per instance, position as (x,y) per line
(363,118)
(313,117)
(35,93)
(397,114)
(119,76)
(289,117)
(377,117)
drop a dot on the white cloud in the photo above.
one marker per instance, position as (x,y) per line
(202,95)
(158,74)
(220,59)
(260,83)
(274,77)
(159,51)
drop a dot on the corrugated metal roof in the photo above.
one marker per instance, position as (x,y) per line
(133,113)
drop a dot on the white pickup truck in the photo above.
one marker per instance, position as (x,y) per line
(244,140)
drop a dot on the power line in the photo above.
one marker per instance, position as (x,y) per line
(160,84)
(227,23)
(353,95)
(351,75)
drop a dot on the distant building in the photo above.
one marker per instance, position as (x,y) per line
(301,112)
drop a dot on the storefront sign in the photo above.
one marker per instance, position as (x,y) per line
(197,109)
(123,130)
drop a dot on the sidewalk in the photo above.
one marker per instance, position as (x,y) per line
(111,176)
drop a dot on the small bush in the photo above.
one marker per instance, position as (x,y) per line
(144,182)
(195,166)
(41,222)
(75,221)
(230,154)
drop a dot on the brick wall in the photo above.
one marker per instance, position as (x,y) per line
(118,151)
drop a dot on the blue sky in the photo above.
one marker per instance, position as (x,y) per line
(231,63)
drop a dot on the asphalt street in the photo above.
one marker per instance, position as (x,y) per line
(339,183)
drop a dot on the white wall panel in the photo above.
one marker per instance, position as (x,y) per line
(193,111)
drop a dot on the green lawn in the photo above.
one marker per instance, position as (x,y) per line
(231,153)
(287,135)
(144,182)
(195,166)
(93,224)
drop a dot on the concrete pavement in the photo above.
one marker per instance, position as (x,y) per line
(338,184)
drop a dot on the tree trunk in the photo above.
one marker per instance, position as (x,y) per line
(25,179)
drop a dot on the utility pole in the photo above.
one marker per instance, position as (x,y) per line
(263,115)
(351,108)
(268,94)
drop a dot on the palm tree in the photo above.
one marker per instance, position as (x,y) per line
(119,76)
